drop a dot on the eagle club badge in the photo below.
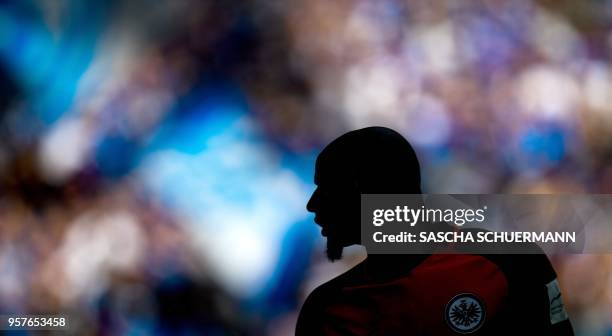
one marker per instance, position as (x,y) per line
(465,313)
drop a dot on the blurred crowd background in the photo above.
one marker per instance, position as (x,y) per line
(156,157)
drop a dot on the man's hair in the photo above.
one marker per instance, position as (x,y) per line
(378,159)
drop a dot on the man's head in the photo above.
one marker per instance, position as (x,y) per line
(372,160)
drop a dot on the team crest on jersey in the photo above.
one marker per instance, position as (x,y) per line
(465,313)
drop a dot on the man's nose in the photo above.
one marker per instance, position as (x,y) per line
(312,202)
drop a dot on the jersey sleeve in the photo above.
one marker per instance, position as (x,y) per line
(536,296)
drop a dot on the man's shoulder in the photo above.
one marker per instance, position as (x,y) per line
(334,286)
(320,298)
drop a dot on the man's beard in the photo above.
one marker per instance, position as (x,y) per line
(334,250)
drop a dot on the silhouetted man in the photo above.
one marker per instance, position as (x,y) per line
(437,294)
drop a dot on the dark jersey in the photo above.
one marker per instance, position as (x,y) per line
(442,294)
